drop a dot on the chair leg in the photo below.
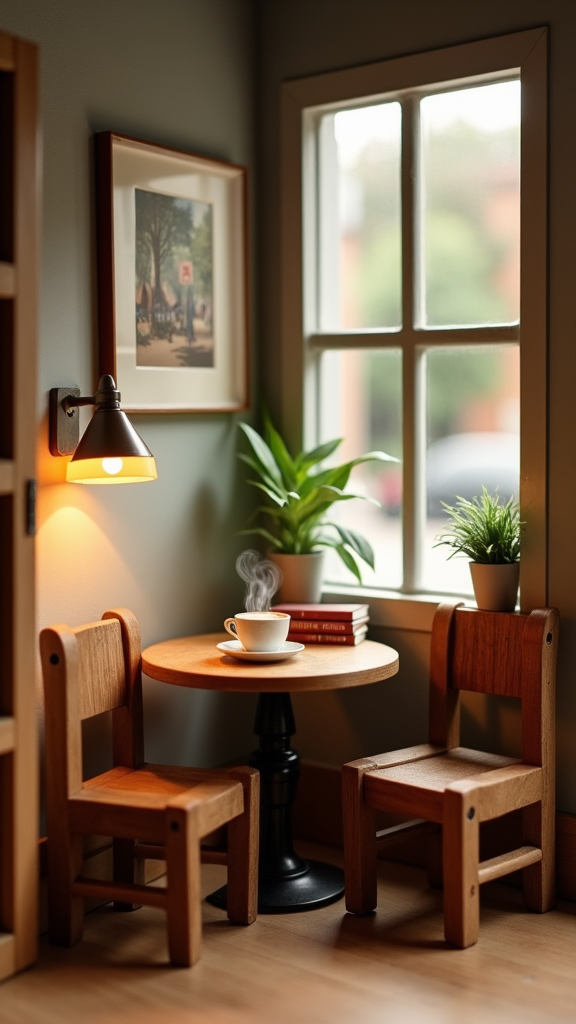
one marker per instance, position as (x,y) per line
(539,885)
(243,842)
(359,842)
(65,912)
(183,891)
(127,868)
(460,860)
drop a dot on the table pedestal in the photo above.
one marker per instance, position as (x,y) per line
(286,882)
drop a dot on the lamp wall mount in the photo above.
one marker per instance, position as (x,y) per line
(64,432)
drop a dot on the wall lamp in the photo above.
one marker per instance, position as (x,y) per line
(110,452)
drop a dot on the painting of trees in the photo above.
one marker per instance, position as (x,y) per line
(173,255)
(162,222)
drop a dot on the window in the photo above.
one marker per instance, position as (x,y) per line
(414,286)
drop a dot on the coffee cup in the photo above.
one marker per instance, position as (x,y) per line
(259,631)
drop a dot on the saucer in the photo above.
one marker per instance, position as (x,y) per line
(235,649)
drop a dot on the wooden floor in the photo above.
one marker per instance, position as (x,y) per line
(321,967)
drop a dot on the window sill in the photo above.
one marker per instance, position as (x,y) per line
(392,609)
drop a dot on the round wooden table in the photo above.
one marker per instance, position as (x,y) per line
(286,882)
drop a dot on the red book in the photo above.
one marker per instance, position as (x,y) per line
(348,639)
(332,612)
(327,626)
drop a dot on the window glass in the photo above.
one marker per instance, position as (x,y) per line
(359,216)
(462,264)
(470,189)
(472,439)
(360,402)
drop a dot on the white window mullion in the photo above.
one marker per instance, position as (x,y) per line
(410,398)
(432,336)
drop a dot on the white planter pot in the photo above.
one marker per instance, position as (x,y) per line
(303,576)
(495,586)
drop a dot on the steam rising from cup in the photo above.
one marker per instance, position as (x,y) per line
(262,577)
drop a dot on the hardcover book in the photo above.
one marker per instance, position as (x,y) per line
(327,625)
(332,612)
(347,639)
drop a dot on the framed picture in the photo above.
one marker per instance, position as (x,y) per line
(172,277)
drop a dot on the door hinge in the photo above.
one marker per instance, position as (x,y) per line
(31,507)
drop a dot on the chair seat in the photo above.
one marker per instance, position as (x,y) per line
(417,787)
(128,802)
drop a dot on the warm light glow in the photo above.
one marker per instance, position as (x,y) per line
(131,470)
(112,466)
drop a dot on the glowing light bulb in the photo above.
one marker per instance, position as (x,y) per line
(112,466)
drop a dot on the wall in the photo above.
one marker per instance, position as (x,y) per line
(177,73)
(297,38)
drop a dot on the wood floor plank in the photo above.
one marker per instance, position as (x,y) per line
(320,967)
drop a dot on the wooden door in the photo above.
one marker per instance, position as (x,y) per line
(19,209)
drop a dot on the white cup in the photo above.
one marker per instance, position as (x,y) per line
(259,631)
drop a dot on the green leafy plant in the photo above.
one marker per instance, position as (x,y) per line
(483,529)
(300,494)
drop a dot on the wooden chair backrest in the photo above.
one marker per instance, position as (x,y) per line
(101,670)
(89,670)
(502,653)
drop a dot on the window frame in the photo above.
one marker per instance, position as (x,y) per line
(522,55)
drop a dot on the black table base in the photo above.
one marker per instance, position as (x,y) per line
(286,883)
(318,885)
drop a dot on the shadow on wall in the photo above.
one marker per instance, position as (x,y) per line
(214,588)
(197,727)
(369,719)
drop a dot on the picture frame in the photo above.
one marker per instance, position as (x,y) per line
(172,277)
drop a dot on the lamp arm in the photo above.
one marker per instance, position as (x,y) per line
(72,402)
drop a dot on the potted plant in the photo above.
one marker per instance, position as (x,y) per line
(300,494)
(488,532)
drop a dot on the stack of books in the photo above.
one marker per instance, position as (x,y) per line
(326,623)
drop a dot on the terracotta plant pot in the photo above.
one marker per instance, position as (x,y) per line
(303,576)
(495,586)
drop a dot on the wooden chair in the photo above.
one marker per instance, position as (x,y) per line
(151,811)
(457,788)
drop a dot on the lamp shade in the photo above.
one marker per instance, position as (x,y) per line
(110,450)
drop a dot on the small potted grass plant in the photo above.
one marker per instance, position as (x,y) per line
(488,533)
(295,520)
